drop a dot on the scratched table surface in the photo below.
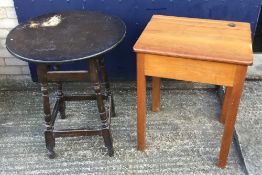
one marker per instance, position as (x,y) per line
(65,37)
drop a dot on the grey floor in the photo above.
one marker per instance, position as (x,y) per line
(183,138)
(249,127)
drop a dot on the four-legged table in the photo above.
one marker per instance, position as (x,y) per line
(55,39)
(198,50)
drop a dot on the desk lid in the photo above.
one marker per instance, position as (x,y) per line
(203,39)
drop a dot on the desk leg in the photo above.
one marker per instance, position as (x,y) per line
(155,94)
(141,103)
(234,100)
(226,104)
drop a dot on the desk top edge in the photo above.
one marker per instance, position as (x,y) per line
(213,21)
(219,60)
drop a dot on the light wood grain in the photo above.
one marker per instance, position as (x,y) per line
(198,50)
(141,103)
(226,105)
(190,70)
(203,22)
(201,39)
(231,114)
(155,94)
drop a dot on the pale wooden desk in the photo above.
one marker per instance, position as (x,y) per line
(198,50)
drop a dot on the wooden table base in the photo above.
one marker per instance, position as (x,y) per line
(96,68)
(146,67)
(198,50)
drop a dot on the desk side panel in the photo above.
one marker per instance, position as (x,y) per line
(190,70)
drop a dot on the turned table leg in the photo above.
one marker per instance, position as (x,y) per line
(42,70)
(231,114)
(106,133)
(60,95)
(141,103)
(107,85)
(155,94)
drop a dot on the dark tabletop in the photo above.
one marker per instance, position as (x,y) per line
(65,37)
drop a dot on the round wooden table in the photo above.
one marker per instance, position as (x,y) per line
(54,39)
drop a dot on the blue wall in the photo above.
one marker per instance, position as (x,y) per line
(136,13)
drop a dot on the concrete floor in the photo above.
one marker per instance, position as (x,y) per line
(183,138)
(249,127)
(255,71)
